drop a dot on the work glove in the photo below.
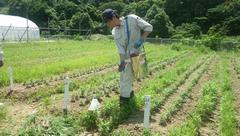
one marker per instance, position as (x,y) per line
(122,65)
(138,43)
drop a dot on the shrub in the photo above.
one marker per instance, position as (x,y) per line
(213,42)
(187,30)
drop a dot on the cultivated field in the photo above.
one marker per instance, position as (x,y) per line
(194,91)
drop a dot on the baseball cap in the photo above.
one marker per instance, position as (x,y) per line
(107,14)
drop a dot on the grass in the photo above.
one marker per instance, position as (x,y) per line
(37,61)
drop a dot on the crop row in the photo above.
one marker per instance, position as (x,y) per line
(163,94)
(204,108)
(219,86)
(91,86)
(228,121)
(108,87)
(73,60)
(181,99)
(110,114)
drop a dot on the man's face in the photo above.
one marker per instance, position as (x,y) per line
(112,23)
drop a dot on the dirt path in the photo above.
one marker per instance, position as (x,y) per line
(236,90)
(16,116)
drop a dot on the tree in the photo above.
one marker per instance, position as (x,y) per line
(185,11)
(162,26)
(187,30)
(113,5)
(225,18)
(82,20)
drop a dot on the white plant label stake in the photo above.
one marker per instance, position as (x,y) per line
(146,111)
(65,99)
(10,77)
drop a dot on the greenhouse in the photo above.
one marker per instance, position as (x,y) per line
(15,28)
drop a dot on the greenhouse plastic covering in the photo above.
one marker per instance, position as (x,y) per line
(15,28)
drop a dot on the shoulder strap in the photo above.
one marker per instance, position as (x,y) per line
(127,29)
(128,34)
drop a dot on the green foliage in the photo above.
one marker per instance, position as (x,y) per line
(187,30)
(213,42)
(204,108)
(89,120)
(105,127)
(228,119)
(146,132)
(176,47)
(46,101)
(160,21)
(3,112)
(113,5)
(51,126)
(4,132)
(225,18)
(216,16)
(185,11)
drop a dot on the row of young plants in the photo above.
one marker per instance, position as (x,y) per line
(205,107)
(97,82)
(167,56)
(81,93)
(109,116)
(181,99)
(106,89)
(228,121)
(161,64)
(36,65)
(164,93)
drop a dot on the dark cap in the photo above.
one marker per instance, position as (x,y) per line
(107,14)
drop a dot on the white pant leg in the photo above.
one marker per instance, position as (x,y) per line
(126,81)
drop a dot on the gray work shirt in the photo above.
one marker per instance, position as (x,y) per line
(135,25)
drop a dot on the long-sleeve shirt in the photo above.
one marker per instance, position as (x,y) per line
(135,25)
